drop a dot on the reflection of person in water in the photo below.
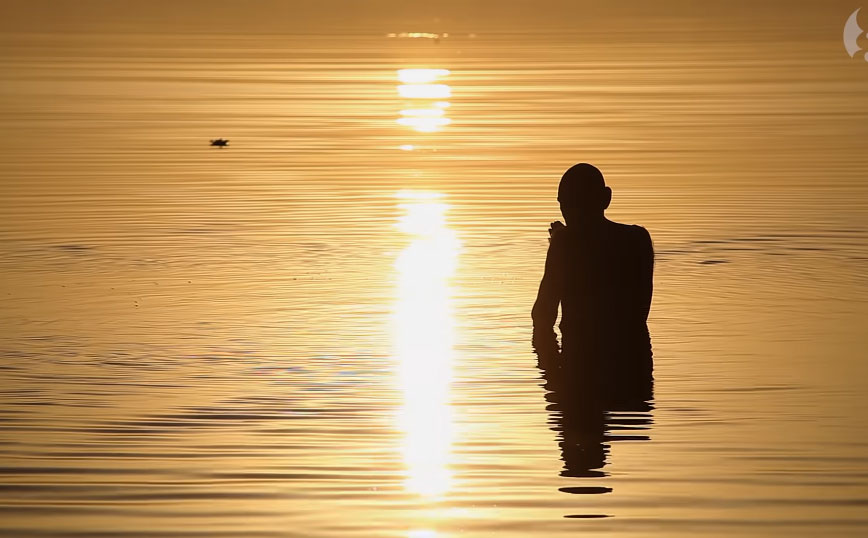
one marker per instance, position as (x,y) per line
(600,274)
(587,413)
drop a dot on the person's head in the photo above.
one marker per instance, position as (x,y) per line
(583,194)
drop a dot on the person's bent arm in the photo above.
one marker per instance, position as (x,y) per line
(545,309)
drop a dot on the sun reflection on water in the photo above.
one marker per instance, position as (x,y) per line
(423,338)
(425,110)
(422,533)
(419,76)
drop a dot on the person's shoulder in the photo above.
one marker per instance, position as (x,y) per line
(633,230)
(642,240)
(642,237)
(639,231)
(633,234)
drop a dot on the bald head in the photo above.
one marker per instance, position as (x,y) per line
(583,193)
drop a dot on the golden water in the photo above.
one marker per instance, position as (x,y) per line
(323,329)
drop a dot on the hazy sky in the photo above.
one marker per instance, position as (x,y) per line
(276,16)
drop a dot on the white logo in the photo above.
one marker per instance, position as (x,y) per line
(852,33)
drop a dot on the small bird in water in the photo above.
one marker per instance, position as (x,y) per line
(220,143)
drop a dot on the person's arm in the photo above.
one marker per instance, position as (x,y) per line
(545,309)
(646,272)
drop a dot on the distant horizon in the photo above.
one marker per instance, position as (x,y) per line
(359,16)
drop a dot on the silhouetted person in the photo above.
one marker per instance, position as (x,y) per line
(600,273)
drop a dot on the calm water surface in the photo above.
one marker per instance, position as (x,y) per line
(324,330)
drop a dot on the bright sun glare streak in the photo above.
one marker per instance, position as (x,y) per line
(418,195)
(422,112)
(425,125)
(424,340)
(424,91)
(426,112)
(419,76)
(422,533)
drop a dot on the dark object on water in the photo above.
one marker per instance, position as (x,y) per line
(220,143)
